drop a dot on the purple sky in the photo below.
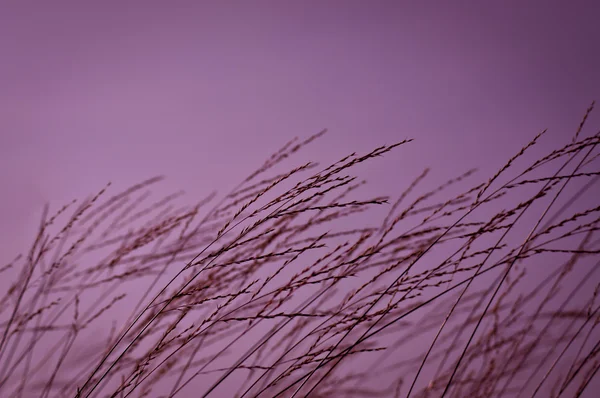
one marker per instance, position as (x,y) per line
(199,92)
(203,93)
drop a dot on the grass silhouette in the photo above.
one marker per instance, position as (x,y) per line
(468,290)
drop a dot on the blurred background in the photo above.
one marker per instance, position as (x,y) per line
(203,91)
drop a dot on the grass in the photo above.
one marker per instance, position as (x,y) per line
(468,290)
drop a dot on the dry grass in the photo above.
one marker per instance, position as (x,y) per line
(488,291)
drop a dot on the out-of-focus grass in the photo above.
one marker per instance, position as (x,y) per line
(268,292)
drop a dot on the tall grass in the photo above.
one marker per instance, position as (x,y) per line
(468,290)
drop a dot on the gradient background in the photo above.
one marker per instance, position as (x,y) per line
(203,91)
(120,91)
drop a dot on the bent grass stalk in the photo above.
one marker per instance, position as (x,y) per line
(286,288)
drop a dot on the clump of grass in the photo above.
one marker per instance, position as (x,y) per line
(467,290)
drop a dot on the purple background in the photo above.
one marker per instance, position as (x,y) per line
(200,92)
(121,91)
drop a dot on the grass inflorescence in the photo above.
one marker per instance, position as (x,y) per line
(282,288)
